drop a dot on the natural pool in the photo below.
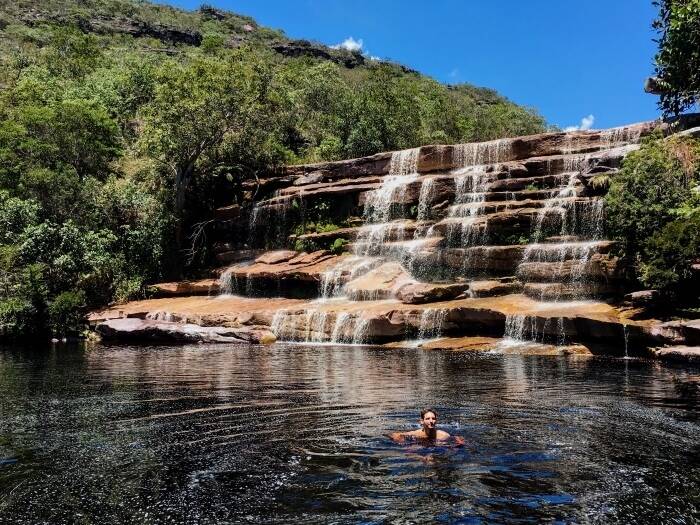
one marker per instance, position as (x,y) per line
(295,433)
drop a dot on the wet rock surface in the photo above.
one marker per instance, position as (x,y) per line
(151,330)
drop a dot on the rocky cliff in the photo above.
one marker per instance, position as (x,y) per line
(502,239)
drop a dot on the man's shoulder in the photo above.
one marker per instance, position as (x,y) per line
(441,434)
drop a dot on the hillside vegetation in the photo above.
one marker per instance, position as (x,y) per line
(123,123)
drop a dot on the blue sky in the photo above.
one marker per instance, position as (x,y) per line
(567,58)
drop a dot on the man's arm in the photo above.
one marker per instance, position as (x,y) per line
(398,437)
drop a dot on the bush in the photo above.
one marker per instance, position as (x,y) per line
(306,245)
(653,209)
(669,255)
(67,313)
(338,246)
(17,318)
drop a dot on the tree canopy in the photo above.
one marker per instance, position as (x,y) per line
(678,58)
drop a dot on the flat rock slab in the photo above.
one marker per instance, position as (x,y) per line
(391,320)
(686,354)
(420,293)
(501,346)
(151,330)
(179,288)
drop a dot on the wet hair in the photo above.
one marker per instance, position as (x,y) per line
(426,410)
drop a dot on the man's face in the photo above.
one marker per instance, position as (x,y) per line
(428,421)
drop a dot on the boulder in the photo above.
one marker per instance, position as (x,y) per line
(685,354)
(419,293)
(150,330)
(276,257)
(380,283)
(642,297)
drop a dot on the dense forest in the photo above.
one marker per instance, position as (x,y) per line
(121,122)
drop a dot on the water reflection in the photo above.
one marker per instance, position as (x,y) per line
(272,434)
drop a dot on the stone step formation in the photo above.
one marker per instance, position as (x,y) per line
(499,238)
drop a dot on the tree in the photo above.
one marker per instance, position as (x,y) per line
(197,107)
(653,210)
(678,58)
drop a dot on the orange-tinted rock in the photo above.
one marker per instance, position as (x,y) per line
(380,283)
(201,287)
(419,293)
(276,257)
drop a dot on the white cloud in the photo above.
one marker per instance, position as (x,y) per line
(350,44)
(586,124)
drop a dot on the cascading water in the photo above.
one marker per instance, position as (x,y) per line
(432,323)
(372,237)
(479,153)
(565,226)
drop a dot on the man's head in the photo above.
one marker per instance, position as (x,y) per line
(428,419)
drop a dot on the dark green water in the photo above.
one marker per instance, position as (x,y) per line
(214,434)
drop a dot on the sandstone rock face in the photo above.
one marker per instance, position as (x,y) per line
(277,257)
(381,283)
(201,287)
(149,330)
(419,293)
(492,239)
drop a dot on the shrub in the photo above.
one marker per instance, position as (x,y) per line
(17,317)
(669,255)
(306,245)
(66,313)
(653,210)
(337,246)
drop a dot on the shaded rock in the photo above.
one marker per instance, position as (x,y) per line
(642,297)
(312,178)
(234,256)
(228,212)
(276,257)
(149,330)
(418,293)
(684,354)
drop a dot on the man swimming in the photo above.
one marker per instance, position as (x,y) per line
(428,431)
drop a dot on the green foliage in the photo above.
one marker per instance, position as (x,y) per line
(306,245)
(678,58)
(66,313)
(669,254)
(652,208)
(600,182)
(338,246)
(17,317)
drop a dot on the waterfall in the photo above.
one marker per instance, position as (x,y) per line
(228,282)
(477,153)
(427,191)
(404,162)
(618,136)
(432,322)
